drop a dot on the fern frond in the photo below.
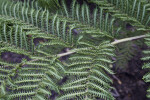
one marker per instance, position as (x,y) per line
(51,5)
(26,79)
(42,19)
(136,12)
(32,78)
(42,35)
(74,27)
(87,79)
(95,19)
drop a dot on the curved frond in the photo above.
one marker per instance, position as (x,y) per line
(86,72)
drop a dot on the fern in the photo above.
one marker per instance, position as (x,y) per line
(38,18)
(25,78)
(58,24)
(52,5)
(135,12)
(96,19)
(40,35)
(36,77)
(87,76)
(127,12)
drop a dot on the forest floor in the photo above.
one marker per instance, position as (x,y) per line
(128,81)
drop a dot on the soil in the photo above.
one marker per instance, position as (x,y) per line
(128,81)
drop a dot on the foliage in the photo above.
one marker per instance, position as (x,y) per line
(133,17)
(39,30)
(52,5)
(23,23)
(136,12)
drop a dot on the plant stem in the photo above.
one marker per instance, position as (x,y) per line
(128,39)
(113,43)
(65,54)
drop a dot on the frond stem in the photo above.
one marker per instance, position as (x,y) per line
(67,53)
(128,39)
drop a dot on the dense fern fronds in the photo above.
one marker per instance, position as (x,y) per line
(136,12)
(47,22)
(32,77)
(86,72)
(21,24)
(52,5)
(147,65)
(22,34)
(96,18)
(13,32)
(133,18)
(28,79)
(66,29)
(79,20)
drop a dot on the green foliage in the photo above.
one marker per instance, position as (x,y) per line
(39,30)
(96,19)
(88,79)
(127,12)
(35,78)
(28,78)
(52,5)
(136,12)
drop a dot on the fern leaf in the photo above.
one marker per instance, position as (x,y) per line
(85,75)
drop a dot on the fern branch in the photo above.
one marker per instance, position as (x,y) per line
(128,39)
(87,77)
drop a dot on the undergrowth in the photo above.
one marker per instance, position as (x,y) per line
(66,51)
